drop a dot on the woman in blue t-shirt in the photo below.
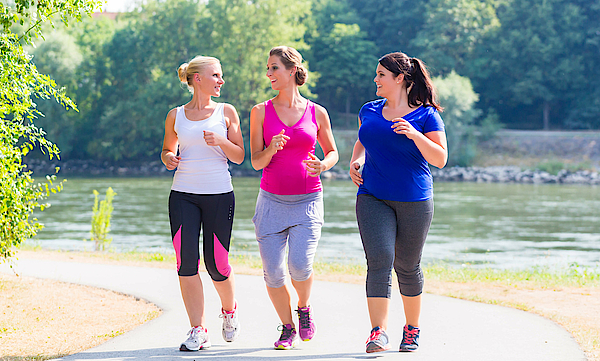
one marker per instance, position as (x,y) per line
(398,137)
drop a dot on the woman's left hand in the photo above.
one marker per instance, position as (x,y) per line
(314,166)
(402,126)
(213,139)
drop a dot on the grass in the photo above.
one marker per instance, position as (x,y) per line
(538,277)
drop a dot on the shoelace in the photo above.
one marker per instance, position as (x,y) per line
(374,336)
(304,318)
(193,331)
(286,333)
(409,336)
(228,317)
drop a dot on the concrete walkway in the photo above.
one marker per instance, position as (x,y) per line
(451,329)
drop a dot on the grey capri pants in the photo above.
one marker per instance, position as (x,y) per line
(393,234)
(293,220)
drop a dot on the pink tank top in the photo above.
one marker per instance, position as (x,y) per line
(286,174)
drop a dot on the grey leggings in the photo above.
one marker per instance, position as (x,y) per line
(288,220)
(393,234)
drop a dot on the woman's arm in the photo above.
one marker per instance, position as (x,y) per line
(233,145)
(357,161)
(327,143)
(169,152)
(261,156)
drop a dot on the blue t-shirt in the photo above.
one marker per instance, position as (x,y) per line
(395,169)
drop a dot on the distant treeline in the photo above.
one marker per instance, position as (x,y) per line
(528,64)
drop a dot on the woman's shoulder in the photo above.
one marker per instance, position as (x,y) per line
(373,105)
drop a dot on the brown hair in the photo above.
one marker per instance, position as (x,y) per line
(290,57)
(416,77)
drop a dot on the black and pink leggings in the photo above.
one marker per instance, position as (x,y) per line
(213,213)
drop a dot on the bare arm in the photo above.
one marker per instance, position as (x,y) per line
(169,152)
(327,143)
(261,156)
(357,160)
(233,145)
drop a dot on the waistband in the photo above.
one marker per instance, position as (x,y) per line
(291,199)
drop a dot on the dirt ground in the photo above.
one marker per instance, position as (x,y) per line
(81,317)
(44,318)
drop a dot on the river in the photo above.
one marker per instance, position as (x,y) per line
(479,224)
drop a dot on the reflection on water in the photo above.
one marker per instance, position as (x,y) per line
(500,225)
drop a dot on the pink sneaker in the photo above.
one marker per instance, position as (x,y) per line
(288,338)
(307,326)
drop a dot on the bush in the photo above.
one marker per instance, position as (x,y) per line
(101,215)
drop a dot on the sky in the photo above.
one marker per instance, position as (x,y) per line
(118,5)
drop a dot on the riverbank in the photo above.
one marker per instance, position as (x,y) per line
(511,156)
(569,297)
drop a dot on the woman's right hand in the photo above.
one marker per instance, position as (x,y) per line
(355,174)
(172,161)
(278,141)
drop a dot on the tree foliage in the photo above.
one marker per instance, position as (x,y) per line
(528,61)
(20,84)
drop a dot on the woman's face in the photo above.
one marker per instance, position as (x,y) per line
(210,80)
(279,76)
(386,82)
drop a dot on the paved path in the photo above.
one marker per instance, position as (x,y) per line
(451,329)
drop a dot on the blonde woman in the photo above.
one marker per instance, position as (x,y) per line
(207,135)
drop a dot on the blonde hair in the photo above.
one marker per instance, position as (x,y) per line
(290,57)
(186,71)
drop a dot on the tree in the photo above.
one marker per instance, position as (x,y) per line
(456,95)
(20,82)
(347,62)
(533,67)
(391,25)
(452,30)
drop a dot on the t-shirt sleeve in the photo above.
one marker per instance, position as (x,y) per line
(433,123)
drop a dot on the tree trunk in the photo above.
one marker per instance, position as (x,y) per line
(546,115)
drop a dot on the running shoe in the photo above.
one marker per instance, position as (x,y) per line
(410,339)
(231,324)
(307,327)
(288,338)
(197,340)
(378,341)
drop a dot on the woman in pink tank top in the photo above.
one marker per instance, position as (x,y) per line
(289,209)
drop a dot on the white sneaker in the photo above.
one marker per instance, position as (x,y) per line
(197,340)
(231,324)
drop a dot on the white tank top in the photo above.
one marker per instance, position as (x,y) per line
(203,169)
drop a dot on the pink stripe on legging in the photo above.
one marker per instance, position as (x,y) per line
(177,246)
(221,258)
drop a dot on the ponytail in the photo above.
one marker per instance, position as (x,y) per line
(422,91)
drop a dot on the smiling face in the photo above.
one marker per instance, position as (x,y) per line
(210,80)
(279,76)
(386,82)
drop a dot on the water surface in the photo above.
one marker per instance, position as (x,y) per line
(496,225)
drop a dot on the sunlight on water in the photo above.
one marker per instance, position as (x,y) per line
(497,225)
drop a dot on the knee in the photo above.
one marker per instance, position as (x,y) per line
(274,276)
(300,270)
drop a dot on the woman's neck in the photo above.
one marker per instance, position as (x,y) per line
(199,101)
(289,97)
(398,100)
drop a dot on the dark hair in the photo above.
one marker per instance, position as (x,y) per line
(415,73)
(290,57)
